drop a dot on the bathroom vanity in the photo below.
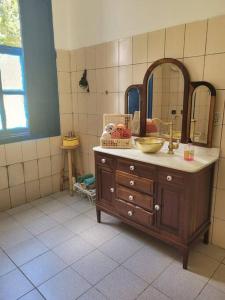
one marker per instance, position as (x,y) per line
(160,194)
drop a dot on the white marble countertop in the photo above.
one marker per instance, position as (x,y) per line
(203,157)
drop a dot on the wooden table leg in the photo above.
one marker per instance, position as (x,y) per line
(70,172)
(62,175)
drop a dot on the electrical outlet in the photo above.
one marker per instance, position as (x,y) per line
(217,118)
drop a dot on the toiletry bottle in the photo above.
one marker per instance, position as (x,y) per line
(189,151)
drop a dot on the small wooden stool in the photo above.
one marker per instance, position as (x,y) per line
(67,150)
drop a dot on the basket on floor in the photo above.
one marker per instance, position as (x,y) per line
(122,143)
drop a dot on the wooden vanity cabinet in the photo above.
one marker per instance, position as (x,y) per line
(168,204)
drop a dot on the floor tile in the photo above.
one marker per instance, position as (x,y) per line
(209,293)
(152,294)
(73,249)
(60,195)
(41,224)
(28,216)
(80,224)
(26,251)
(92,294)
(33,295)
(9,224)
(99,234)
(14,285)
(91,213)
(43,267)
(148,263)
(179,284)
(82,206)
(43,200)
(210,250)
(67,285)
(12,237)
(121,284)
(6,265)
(3,215)
(121,247)
(18,209)
(50,206)
(68,200)
(55,236)
(94,266)
(63,215)
(218,279)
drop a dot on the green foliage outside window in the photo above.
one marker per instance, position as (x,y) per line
(9,23)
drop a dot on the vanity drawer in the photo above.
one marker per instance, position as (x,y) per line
(134,182)
(143,200)
(134,213)
(136,168)
(171,177)
(104,160)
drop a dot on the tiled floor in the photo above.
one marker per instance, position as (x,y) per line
(54,249)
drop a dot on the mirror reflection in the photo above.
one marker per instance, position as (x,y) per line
(165,93)
(201,99)
(133,107)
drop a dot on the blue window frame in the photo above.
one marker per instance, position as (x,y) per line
(14,119)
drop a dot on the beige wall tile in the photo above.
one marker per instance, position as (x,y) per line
(222,149)
(84,143)
(112,75)
(125,51)
(195,38)
(195,66)
(91,57)
(4,200)
(29,150)
(112,54)
(56,183)
(121,104)
(175,41)
(140,48)
(156,45)
(18,195)
(92,124)
(32,190)
(219,106)
(80,59)
(3,178)
(13,153)
(74,81)
(216,35)
(215,70)
(125,77)
(92,142)
(75,123)
(56,163)
(92,103)
(16,174)
(31,170)
(79,75)
(64,84)
(65,103)
(221,172)
(75,102)
(73,60)
(45,186)
(44,167)
(101,56)
(110,103)
(220,204)
(91,163)
(43,147)
(55,143)
(82,103)
(216,139)
(63,60)
(218,237)
(101,80)
(66,123)
(82,119)
(139,71)
(2,156)
(91,77)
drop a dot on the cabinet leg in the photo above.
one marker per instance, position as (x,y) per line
(185,258)
(98,213)
(206,237)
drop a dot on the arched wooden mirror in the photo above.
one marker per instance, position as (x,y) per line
(133,105)
(203,96)
(166,94)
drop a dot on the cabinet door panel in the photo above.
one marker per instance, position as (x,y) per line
(106,187)
(169,214)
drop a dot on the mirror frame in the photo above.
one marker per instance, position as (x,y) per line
(140,88)
(185,132)
(193,86)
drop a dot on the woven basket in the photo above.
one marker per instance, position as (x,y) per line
(117,119)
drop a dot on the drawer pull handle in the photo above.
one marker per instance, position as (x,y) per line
(112,190)
(130,213)
(103,160)
(131,198)
(169,178)
(157,207)
(131,182)
(132,168)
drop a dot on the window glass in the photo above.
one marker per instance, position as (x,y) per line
(15,112)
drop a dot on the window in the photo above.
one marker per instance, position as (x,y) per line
(13,100)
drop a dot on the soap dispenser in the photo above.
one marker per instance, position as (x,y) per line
(189,151)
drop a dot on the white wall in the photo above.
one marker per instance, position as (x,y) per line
(96,21)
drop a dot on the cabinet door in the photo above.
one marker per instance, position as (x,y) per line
(106,186)
(169,209)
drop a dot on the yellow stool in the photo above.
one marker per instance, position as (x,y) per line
(69,151)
